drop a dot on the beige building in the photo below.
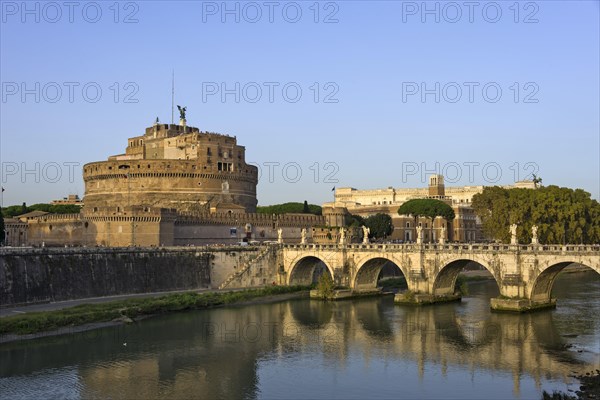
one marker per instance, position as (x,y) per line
(70,200)
(466,226)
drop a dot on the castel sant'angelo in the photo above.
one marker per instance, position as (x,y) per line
(174,185)
(174,167)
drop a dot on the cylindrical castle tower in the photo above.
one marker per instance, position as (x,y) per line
(173,166)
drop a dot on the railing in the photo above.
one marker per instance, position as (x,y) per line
(405,247)
(453,247)
(7,250)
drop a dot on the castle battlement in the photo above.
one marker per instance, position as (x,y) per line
(58,218)
(257,219)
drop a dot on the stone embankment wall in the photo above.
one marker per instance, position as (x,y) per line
(45,275)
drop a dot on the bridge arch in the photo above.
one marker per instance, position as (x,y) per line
(307,270)
(367,274)
(541,289)
(444,281)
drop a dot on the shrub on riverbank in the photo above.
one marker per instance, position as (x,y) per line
(36,322)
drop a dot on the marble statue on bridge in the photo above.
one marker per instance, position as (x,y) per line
(366,232)
(442,238)
(513,234)
(303,236)
(279,235)
(419,234)
(534,237)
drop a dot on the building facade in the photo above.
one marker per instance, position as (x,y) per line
(465,227)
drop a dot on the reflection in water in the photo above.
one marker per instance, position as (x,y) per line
(306,348)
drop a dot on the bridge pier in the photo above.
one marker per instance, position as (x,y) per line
(424,298)
(501,304)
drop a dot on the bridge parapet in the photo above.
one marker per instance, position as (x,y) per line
(453,247)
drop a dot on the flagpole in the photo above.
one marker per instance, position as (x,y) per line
(172,95)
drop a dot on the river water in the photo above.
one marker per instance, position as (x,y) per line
(368,348)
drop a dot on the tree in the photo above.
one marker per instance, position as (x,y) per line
(305,209)
(12,211)
(380,225)
(353,220)
(288,208)
(428,208)
(24,208)
(562,215)
(2,233)
(325,286)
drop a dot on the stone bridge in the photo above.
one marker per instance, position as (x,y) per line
(524,273)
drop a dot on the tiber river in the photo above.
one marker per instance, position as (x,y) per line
(360,349)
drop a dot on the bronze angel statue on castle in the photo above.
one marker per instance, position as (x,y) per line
(181,111)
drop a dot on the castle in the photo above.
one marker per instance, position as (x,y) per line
(175,167)
(174,185)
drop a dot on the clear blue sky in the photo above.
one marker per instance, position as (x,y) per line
(374,61)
